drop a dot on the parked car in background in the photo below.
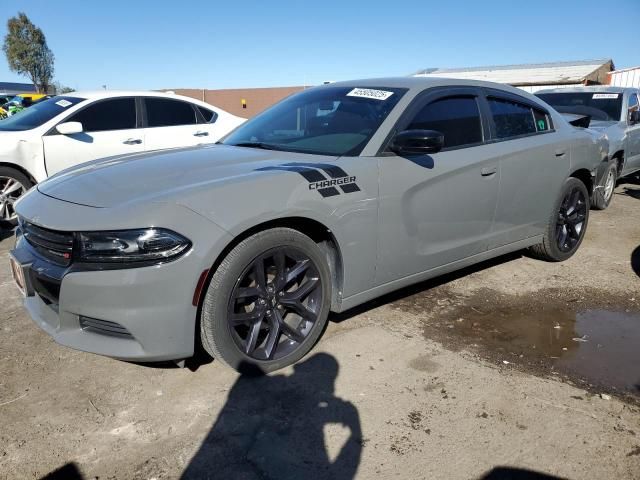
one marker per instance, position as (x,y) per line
(20,102)
(71,129)
(332,197)
(614,111)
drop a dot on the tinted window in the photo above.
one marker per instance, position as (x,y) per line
(168,113)
(209,115)
(633,103)
(511,118)
(604,106)
(328,120)
(38,114)
(458,118)
(115,114)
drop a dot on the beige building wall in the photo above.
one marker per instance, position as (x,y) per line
(231,100)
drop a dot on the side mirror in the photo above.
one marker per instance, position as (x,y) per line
(417,142)
(69,128)
(634,117)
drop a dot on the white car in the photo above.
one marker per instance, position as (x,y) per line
(67,130)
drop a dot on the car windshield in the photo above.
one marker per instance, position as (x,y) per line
(605,106)
(38,114)
(323,121)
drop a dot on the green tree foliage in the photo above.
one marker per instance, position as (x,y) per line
(27,52)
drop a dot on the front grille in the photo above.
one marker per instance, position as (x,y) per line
(55,245)
(104,327)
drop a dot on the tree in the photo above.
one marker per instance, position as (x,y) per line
(27,52)
(61,89)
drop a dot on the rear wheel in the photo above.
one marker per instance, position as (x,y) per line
(13,184)
(268,301)
(567,224)
(604,193)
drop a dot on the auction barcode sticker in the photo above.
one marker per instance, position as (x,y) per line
(63,103)
(369,93)
(604,95)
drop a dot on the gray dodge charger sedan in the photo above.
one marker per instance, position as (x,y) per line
(330,198)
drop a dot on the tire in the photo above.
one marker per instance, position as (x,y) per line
(9,179)
(567,223)
(603,194)
(243,310)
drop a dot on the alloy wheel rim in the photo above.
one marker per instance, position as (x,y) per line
(275,304)
(609,186)
(10,191)
(571,220)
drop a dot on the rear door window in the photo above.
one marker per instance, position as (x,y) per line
(209,116)
(513,119)
(458,118)
(107,115)
(163,112)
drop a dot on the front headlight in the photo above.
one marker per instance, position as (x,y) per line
(124,246)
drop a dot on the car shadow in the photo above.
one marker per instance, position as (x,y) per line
(511,473)
(630,180)
(635,260)
(5,231)
(422,286)
(273,426)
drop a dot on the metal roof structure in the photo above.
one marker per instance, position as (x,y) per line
(557,73)
(627,77)
(13,88)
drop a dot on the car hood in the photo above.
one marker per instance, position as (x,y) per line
(163,175)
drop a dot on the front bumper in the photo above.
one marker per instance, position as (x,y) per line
(136,314)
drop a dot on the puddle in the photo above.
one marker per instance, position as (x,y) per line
(596,344)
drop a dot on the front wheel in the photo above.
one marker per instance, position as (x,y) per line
(268,301)
(567,224)
(13,184)
(604,193)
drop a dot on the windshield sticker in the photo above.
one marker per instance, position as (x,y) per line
(369,93)
(597,96)
(63,103)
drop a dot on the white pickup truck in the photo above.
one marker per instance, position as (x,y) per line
(67,130)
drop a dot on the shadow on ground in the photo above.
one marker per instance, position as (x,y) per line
(635,260)
(510,473)
(5,232)
(631,180)
(275,427)
(422,286)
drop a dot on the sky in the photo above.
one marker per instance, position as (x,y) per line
(146,44)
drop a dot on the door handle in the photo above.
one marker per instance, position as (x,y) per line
(488,171)
(132,141)
(201,134)
(561,153)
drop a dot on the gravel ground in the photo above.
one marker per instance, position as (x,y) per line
(430,382)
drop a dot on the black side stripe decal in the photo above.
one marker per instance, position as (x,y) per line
(350,188)
(328,192)
(332,170)
(309,174)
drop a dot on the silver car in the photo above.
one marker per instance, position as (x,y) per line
(615,112)
(332,197)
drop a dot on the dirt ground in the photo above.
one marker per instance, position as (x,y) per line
(513,365)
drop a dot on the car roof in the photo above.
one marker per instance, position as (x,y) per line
(424,82)
(100,94)
(592,88)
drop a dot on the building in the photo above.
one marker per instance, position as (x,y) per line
(10,88)
(628,77)
(243,102)
(532,77)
